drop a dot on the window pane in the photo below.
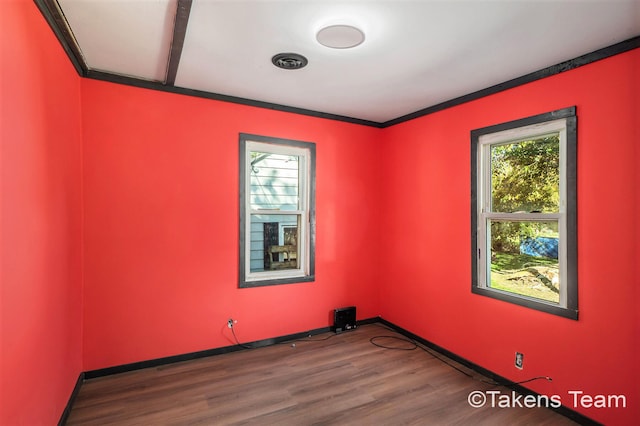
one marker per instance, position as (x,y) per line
(525,176)
(524,258)
(274,181)
(274,242)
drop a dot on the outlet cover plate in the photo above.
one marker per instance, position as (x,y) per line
(519,362)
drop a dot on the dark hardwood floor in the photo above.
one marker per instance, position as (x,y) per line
(344,379)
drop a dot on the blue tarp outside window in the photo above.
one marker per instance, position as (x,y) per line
(539,247)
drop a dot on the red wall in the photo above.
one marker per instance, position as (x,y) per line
(427,289)
(161,225)
(41,216)
(135,192)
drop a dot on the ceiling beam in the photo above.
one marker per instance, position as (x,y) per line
(183,10)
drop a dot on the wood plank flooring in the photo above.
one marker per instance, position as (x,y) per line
(344,380)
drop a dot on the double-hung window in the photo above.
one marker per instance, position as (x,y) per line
(277,211)
(524,212)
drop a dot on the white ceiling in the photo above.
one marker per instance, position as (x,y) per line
(416,54)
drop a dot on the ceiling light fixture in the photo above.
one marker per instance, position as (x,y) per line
(340,36)
(289,61)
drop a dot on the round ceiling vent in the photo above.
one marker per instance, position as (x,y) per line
(289,61)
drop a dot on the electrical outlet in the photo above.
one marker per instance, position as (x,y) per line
(519,362)
(230,323)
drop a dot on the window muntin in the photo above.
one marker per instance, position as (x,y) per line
(277,211)
(523,196)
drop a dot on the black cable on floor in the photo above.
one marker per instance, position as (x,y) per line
(415,345)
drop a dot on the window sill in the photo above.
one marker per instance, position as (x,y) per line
(277,281)
(548,307)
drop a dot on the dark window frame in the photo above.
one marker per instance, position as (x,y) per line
(571,309)
(311,202)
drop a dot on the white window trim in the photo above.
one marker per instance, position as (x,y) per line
(485,213)
(303,212)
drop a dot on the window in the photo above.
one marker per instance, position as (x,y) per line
(523,192)
(277,211)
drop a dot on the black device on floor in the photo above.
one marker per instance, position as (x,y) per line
(344,319)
